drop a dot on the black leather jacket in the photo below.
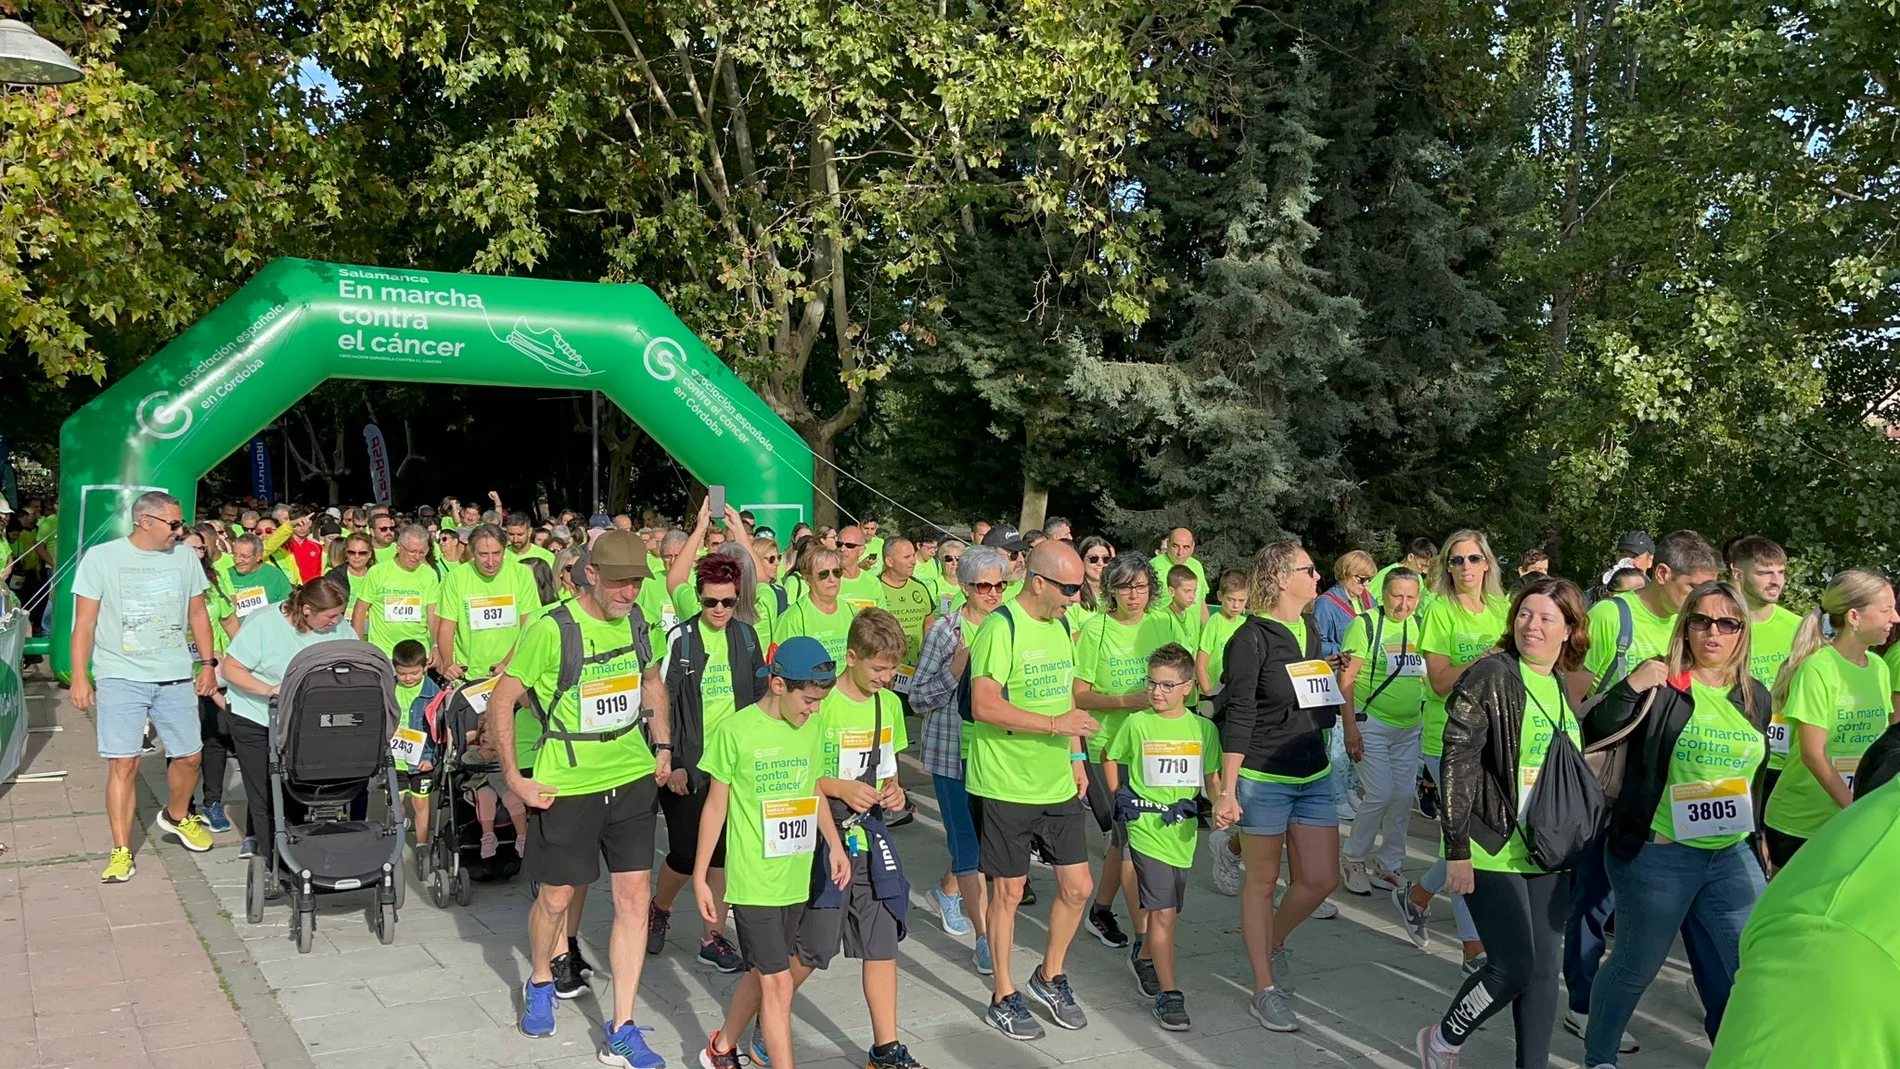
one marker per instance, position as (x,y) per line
(1651,747)
(1484,727)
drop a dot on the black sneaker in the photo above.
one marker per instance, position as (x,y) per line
(897,820)
(581,965)
(1427,798)
(1144,970)
(657,922)
(1104,926)
(719,953)
(567,979)
(1029,893)
(895,1056)
(1171,1010)
(1010,1016)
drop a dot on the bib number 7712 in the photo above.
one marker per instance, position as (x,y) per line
(1314,685)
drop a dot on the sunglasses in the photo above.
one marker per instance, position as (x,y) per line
(773,559)
(356,552)
(1068,590)
(988,588)
(1459,562)
(1308,570)
(1721,625)
(823,574)
(172,525)
(1095,559)
(851,545)
(950,561)
(1360,578)
(385,527)
(718,603)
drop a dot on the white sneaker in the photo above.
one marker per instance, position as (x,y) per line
(1579,1023)
(1325,911)
(1353,875)
(1385,879)
(1229,873)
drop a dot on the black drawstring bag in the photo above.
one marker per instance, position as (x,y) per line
(1565,812)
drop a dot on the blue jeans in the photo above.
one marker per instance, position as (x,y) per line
(953,801)
(1586,934)
(1345,777)
(1707,894)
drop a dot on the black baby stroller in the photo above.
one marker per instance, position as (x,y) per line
(330,730)
(454,852)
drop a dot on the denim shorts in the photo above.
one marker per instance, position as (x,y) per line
(122,706)
(1266,808)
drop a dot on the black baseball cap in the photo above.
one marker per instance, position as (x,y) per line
(1006,538)
(1636,543)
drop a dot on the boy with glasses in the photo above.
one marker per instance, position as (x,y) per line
(1155,766)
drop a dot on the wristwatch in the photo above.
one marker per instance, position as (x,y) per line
(658,746)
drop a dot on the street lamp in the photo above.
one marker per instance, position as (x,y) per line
(26,58)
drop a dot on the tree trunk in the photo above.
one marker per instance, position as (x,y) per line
(1035,495)
(824,479)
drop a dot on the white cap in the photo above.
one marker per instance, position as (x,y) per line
(333,512)
(5,508)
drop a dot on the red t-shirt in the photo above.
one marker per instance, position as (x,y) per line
(308,553)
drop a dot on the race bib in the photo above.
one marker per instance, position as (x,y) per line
(492,613)
(1404,664)
(1711,807)
(1847,766)
(854,754)
(248,601)
(1313,684)
(1777,735)
(1171,763)
(402,609)
(1526,779)
(477,694)
(406,746)
(902,681)
(668,619)
(607,704)
(790,825)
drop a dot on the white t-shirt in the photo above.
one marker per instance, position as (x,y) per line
(144,609)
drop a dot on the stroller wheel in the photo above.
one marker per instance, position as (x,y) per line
(385,922)
(255,889)
(464,889)
(438,889)
(303,925)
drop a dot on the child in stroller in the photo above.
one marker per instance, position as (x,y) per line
(466,844)
(489,795)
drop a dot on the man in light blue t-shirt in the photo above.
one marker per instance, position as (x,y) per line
(139,623)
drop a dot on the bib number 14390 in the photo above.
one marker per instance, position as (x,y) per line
(1314,685)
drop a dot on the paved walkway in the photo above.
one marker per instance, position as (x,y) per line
(446,994)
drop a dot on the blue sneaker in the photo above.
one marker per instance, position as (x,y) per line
(759,1057)
(984,965)
(537,1009)
(627,1048)
(950,908)
(248,846)
(215,818)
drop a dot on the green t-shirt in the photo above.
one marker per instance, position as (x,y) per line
(1710,772)
(846,724)
(489,612)
(1768,647)
(1395,671)
(356,592)
(398,603)
(1112,658)
(1163,564)
(657,607)
(1165,760)
(1543,713)
(1649,637)
(1819,956)
(771,769)
(539,553)
(861,591)
(264,645)
(1186,625)
(1220,629)
(218,607)
(830,629)
(249,593)
(1461,637)
(716,697)
(912,604)
(765,605)
(1425,597)
(606,699)
(1035,663)
(1298,627)
(1852,704)
(383,553)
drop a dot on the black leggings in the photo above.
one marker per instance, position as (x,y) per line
(214,727)
(1521,920)
(1781,846)
(682,830)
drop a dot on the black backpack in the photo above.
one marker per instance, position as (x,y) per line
(964,709)
(1565,811)
(574,660)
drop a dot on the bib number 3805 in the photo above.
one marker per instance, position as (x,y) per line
(1711,807)
(1314,685)
(790,826)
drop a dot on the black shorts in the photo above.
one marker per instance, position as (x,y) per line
(1005,830)
(863,927)
(768,935)
(1158,885)
(682,830)
(567,839)
(415,783)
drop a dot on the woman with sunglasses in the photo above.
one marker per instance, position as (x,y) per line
(1502,716)
(1280,699)
(450,549)
(1835,699)
(1096,553)
(820,614)
(358,555)
(1111,681)
(1468,614)
(1678,855)
(711,668)
(960,897)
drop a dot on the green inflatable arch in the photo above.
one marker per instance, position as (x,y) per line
(299,322)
